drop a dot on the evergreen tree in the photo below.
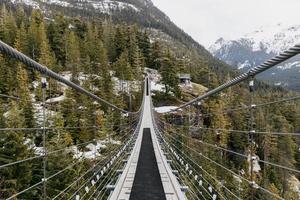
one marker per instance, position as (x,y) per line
(145,46)
(22,80)
(123,68)
(120,41)
(4,85)
(34,36)
(73,61)
(156,56)
(13,147)
(169,75)
(57,37)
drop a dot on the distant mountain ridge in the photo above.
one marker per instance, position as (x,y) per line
(105,6)
(259,46)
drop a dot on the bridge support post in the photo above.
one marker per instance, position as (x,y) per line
(44,86)
(251,134)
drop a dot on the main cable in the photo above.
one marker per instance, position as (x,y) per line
(31,64)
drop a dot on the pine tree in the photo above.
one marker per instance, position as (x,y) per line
(23,82)
(13,148)
(169,75)
(73,60)
(57,37)
(145,46)
(34,36)
(20,16)
(156,56)
(4,87)
(123,68)
(60,139)
(120,41)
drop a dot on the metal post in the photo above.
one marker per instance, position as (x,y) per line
(44,85)
(189,107)
(251,134)
(94,135)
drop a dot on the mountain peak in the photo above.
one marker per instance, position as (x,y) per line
(260,45)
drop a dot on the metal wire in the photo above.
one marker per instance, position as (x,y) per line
(48,178)
(89,170)
(234,131)
(177,167)
(251,73)
(201,168)
(229,170)
(255,105)
(9,97)
(56,151)
(111,174)
(85,183)
(238,154)
(31,64)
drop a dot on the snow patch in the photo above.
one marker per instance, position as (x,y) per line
(278,84)
(246,64)
(31,3)
(57,2)
(107,6)
(165,109)
(157,87)
(289,65)
(56,99)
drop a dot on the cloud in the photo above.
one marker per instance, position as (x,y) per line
(208,20)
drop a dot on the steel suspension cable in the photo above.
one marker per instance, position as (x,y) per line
(31,64)
(85,184)
(111,174)
(234,131)
(177,166)
(201,168)
(251,73)
(238,154)
(229,170)
(56,151)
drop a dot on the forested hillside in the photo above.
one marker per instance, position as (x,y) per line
(102,53)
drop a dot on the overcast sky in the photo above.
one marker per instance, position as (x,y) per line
(208,20)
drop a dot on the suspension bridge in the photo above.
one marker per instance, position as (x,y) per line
(150,161)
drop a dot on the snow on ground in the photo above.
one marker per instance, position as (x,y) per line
(294,184)
(107,6)
(56,99)
(155,78)
(157,87)
(38,113)
(57,2)
(126,86)
(165,109)
(91,153)
(93,150)
(31,3)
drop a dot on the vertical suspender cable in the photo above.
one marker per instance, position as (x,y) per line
(251,133)
(44,85)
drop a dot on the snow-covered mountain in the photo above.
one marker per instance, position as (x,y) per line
(104,6)
(259,46)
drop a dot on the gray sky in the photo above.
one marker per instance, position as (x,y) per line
(208,20)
